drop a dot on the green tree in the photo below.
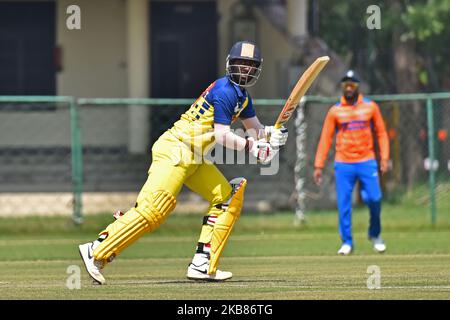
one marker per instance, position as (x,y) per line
(420,24)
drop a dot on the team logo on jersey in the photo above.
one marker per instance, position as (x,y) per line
(237,112)
(207,90)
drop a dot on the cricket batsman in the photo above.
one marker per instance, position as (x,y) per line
(175,163)
(354,119)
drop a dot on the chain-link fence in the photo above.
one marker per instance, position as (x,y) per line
(59,155)
(116,139)
(36,171)
(417,126)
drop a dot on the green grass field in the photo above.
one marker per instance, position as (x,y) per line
(269,257)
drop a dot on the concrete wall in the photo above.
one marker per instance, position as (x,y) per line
(223,28)
(276,51)
(94,64)
(94,61)
(274,47)
(32,128)
(93,58)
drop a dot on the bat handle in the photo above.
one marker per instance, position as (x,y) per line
(278,125)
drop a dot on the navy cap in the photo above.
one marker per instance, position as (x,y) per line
(350,75)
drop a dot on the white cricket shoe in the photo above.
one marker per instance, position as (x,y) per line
(345,249)
(93,266)
(378,244)
(198,270)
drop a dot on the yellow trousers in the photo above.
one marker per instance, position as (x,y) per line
(173,165)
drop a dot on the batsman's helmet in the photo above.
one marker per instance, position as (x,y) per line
(350,75)
(244,63)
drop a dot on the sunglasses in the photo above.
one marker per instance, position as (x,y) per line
(350,84)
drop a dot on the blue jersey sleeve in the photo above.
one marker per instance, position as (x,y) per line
(223,110)
(249,111)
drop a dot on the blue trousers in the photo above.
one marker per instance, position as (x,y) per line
(346,175)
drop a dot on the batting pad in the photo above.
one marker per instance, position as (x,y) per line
(225,222)
(145,217)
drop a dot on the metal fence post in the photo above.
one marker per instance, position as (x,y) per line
(77,163)
(300,162)
(431,157)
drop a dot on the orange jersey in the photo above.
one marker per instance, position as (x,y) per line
(353,127)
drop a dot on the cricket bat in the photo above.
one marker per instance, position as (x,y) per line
(300,89)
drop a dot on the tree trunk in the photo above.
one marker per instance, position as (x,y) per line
(407,81)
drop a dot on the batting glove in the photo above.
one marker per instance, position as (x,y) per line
(276,137)
(261,150)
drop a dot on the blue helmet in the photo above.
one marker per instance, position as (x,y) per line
(244,63)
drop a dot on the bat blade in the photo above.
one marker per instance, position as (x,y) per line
(300,89)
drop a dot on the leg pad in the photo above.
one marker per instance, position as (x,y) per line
(225,222)
(148,214)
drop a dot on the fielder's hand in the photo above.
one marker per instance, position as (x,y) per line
(318,176)
(384,166)
(261,150)
(276,137)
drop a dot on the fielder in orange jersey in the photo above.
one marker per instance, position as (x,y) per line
(353,120)
(178,159)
